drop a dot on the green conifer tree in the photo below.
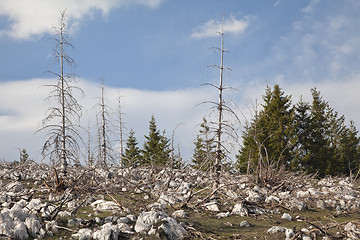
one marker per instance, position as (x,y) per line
(269,138)
(156,150)
(205,149)
(131,155)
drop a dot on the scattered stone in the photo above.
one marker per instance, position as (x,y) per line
(179,214)
(33,225)
(223,214)
(289,233)
(173,229)
(14,187)
(321,204)
(245,224)
(298,204)
(156,207)
(83,234)
(107,232)
(286,216)
(103,205)
(276,229)
(147,219)
(212,206)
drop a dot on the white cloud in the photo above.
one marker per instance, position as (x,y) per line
(32,18)
(277,3)
(22,108)
(213,27)
(311,6)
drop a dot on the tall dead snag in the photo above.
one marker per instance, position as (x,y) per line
(105,151)
(121,129)
(221,126)
(62,120)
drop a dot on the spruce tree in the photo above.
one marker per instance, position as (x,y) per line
(349,152)
(156,150)
(131,157)
(302,131)
(325,144)
(204,153)
(270,136)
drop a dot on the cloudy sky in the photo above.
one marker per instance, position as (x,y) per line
(155,55)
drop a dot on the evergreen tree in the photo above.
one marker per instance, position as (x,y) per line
(156,150)
(270,136)
(325,144)
(205,147)
(302,131)
(318,157)
(349,152)
(131,155)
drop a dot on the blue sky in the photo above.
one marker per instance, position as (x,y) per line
(155,53)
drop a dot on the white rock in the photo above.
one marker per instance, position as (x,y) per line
(14,187)
(231,194)
(147,219)
(173,184)
(83,234)
(173,229)
(131,217)
(276,229)
(305,237)
(284,195)
(321,204)
(298,204)
(212,206)
(245,224)
(123,220)
(179,214)
(286,216)
(103,205)
(238,209)
(6,224)
(156,206)
(223,214)
(254,196)
(35,204)
(302,194)
(169,199)
(314,192)
(272,199)
(33,225)
(20,231)
(123,227)
(107,232)
(289,233)
(22,203)
(351,227)
(17,212)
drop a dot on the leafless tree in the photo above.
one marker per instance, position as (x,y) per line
(62,120)
(105,151)
(221,126)
(121,129)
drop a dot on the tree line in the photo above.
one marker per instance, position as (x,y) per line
(309,137)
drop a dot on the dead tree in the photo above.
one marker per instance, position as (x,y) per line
(105,151)
(62,120)
(121,129)
(221,126)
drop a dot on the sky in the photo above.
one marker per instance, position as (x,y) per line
(157,55)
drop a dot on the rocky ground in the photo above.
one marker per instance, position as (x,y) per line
(155,203)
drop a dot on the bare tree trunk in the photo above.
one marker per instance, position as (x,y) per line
(103,127)
(121,132)
(62,92)
(218,155)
